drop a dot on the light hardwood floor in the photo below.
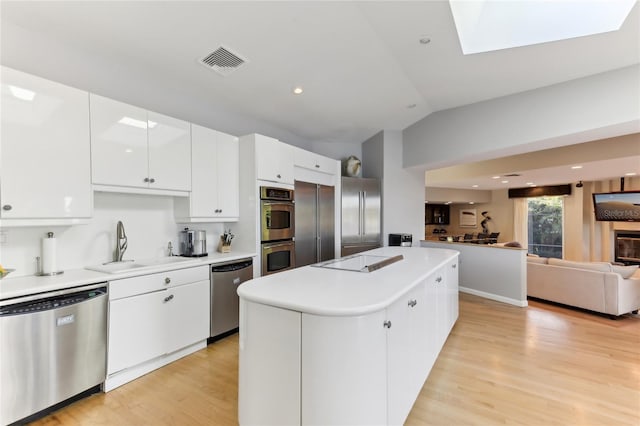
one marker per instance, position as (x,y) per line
(541,365)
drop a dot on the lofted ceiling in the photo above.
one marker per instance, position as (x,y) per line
(361,64)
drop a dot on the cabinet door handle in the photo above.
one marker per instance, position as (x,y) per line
(168,298)
(278,176)
(152,180)
(387,324)
(439,279)
(7,207)
(454,266)
(317,166)
(412,303)
(167,280)
(146,179)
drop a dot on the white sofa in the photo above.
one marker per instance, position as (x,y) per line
(596,286)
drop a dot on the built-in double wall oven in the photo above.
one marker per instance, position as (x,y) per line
(277,213)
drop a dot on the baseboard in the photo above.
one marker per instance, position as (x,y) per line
(508,300)
(119,378)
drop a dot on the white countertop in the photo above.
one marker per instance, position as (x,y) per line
(334,292)
(11,287)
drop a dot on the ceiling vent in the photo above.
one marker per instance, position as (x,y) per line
(223,61)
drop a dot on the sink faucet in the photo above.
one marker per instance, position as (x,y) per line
(121,242)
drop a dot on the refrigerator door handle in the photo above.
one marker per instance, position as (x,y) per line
(364,209)
(359,212)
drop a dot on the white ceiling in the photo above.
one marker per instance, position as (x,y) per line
(556,175)
(360,63)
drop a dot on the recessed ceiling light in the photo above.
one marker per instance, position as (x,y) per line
(297,90)
(471,202)
(425,40)
(504,181)
(630,174)
(576,167)
(474,186)
(495,177)
(530,183)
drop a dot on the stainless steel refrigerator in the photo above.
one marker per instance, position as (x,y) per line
(361,207)
(314,223)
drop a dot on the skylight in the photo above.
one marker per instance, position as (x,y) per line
(486,25)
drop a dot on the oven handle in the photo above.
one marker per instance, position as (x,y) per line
(277,203)
(269,246)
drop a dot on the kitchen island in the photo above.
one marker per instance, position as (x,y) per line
(330,346)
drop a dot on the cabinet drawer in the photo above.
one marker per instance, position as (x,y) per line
(127,287)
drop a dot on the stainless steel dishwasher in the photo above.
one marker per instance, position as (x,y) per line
(54,347)
(225,304)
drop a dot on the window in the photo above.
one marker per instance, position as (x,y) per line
(544,227)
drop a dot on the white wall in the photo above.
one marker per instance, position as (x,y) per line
(590,108)
(337,151)
(148,222)
(402,189)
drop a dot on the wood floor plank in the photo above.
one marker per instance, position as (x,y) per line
(541,365)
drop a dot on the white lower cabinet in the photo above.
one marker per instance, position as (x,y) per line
(408,351)
(136,330)
(269,380)
(344,373)
(155,319)
(188,315)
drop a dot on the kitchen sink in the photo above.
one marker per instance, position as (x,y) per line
(162,260)
(116,267)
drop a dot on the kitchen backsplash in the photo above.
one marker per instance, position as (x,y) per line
(149,224)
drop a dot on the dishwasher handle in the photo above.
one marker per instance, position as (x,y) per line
(230,267)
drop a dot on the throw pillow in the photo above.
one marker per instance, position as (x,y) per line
(624,271)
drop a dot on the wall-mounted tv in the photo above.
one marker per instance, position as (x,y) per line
(617,206)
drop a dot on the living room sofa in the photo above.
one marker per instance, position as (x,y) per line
(596,286)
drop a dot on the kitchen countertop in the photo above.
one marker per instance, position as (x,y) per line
(334,292)
(12,287)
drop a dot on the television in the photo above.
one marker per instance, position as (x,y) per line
(617,206)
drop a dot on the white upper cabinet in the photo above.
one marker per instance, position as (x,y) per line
(312,161)
(45,162)
(228,165)
(135,148)
(118,143)
(169,152)
(274,160)
(214,176)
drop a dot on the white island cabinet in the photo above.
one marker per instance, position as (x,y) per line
(326,346)
(45,162)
